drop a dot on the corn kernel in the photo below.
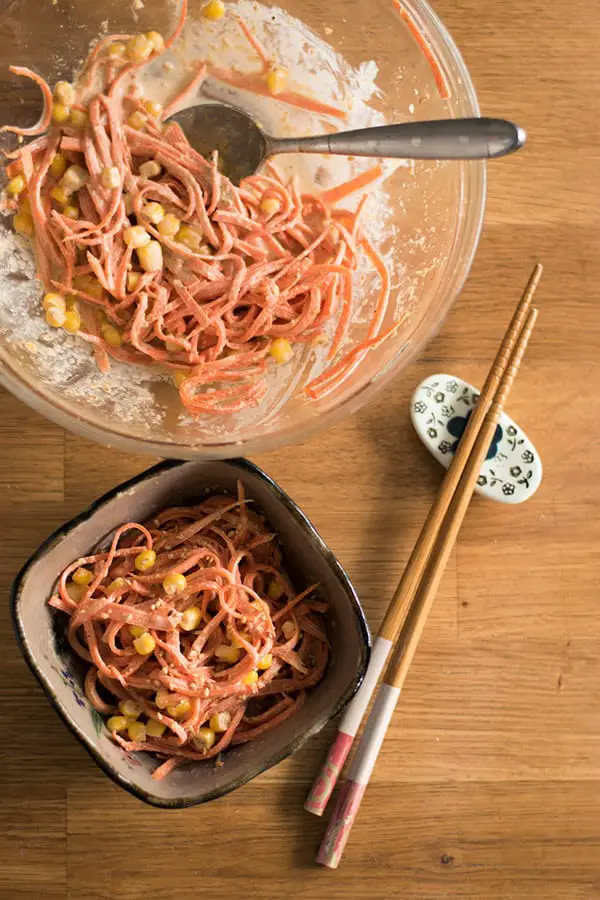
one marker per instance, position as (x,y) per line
(136,731)
(179,710)
(154,212)
(204,738)
(55,317)
(235,642)
(157,40)
(72,322)
(139,48)
(191,618)
(179,378)
(117,723)
(281,350)
(79,118)
(58,165)
(112,335)
(16,186)
(153,109)
(137,120)
(130,708)
(92,286)
(251,677)
(220,721)
(154,728)
(162,699)
(110,178)
(132,280)
(74,178)
(150,169)
(214,10)
(50,300)
(136,236)
(266,662)
(274,590)
(189,237)
(270,205)
(169,226)
(60,113)
(276,81)
(23,223)
(144,644)
(60,195)
(150,256)
(64,93)
(145,560)
(82,576)
(75,591)
(174,582)
(136,631)
(25,205)
(71,212)
(117,50)
(116,585)
(227,653)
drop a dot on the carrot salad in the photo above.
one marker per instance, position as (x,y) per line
(195,638)
(148,252)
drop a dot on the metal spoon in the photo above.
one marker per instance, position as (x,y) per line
(243,145)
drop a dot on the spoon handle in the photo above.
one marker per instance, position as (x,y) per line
(437,139)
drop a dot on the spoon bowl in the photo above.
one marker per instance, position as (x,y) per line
(241,144)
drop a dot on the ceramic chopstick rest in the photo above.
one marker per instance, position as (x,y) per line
(440,408)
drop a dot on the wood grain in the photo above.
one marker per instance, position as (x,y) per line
(488,787)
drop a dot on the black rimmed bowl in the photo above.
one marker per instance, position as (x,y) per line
(307,558)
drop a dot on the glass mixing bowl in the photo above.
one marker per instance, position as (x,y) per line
(432,215)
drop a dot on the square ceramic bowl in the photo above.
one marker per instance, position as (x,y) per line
(40,630)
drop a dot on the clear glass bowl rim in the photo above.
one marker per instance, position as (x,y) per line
(460,82)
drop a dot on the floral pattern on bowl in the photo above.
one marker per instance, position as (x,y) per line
(440,409)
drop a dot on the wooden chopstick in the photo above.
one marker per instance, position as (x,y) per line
(378,721)
(398,609)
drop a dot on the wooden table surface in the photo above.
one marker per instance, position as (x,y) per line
(488,786)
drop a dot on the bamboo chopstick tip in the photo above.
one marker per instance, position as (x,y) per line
(534,278)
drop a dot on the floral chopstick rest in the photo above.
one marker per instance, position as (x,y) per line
(440,409)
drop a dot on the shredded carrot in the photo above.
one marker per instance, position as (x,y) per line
(236,273)
(13,168)
(255,43)
(438,74)
(46,116)
(326,382)
(221,654)
(358,183)
(174,104)
(333,376)
(180,24)
(256,84)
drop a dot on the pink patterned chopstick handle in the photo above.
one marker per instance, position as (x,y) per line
(346,809)
(338,830)
(325,782)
